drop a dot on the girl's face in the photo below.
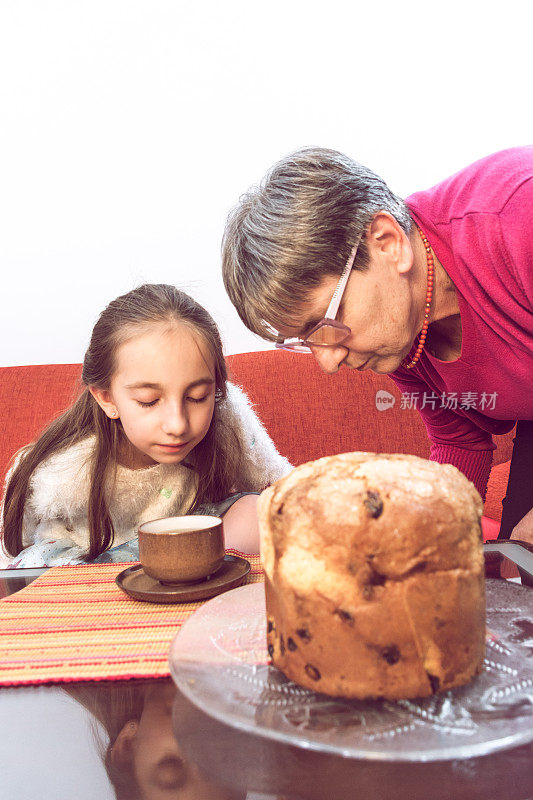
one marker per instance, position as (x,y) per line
(163,392)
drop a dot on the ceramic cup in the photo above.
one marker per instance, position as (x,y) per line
(181,549)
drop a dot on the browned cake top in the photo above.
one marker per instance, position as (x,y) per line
(391,514)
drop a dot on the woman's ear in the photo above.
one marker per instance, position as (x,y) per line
(105,401)
(387,241)
(122,749)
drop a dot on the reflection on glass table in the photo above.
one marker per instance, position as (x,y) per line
(246,763)
(98,739)
(12,580)
(146,741)
(142,757)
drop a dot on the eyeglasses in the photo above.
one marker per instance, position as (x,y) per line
(328,332)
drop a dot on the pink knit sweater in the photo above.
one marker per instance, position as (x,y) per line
(479,223)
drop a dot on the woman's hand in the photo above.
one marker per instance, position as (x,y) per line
(524,529)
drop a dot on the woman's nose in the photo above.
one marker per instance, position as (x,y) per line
(329,358)
(175,421)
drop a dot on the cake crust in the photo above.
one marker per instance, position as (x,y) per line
(374,576)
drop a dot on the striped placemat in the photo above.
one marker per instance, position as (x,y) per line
(75,624)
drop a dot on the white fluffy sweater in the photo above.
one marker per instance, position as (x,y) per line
(56,508)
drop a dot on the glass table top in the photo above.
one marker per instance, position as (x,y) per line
(146,739)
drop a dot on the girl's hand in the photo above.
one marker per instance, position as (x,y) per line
(524,529)
(241,530)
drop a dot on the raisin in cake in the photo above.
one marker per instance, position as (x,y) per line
(374,576)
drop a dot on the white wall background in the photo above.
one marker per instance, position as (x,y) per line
(128,128)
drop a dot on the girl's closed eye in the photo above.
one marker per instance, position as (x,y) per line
(201,399)
(144,404)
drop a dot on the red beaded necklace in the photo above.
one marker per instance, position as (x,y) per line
(429,295)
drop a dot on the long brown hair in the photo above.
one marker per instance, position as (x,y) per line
(215,459)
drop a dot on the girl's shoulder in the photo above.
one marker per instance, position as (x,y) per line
(62,480)
(237,412)
(70,459)
(261,463)
(236,398)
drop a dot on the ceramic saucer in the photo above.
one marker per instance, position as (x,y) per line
(137,584)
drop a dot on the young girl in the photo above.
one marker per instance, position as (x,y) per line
(158,431)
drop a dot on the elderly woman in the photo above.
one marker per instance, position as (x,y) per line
(436,291)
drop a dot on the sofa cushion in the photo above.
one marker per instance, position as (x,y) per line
(308,414)
(30,397)
(489,528)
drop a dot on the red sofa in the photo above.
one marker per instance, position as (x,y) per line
(307,413)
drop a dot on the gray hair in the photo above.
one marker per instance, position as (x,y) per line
(298,226)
